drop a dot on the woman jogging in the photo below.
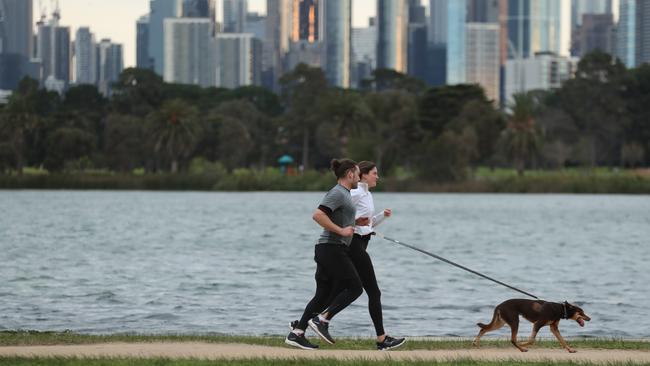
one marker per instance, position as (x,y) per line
(365,208)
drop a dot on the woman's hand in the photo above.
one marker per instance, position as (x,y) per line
(388,212)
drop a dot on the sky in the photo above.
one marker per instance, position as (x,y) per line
(115,19)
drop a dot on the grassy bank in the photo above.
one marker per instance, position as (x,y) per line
(483,181)
(26,338)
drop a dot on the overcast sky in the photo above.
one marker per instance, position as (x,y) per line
(115,19)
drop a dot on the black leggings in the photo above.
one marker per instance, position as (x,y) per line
(337,282)
(366,271)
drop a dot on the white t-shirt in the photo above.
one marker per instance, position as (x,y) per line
(362,199)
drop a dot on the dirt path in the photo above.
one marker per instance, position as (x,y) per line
(243,351)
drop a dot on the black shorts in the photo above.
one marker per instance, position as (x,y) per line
(333,263)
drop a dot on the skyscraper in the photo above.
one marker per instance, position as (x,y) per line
(16,37)
(16,32)
(538,26)
(53,50)
(417,41)
(483,61)
(160,10)
(483,11)
(305,16)
(110,63)
(642,32)
(143,60)
(437,38)
(85,57)
(580,7)
(336,26)
(595,32)
(626,33)
(234,15)
(392,38)
(200,9)
(456,48)
(238,58)
(276,45)
(189,52)
(364,52)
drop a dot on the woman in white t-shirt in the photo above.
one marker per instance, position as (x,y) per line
(362,198)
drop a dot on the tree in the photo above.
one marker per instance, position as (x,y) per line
(21,117)
(174,131)
(521,140)
(126,144)
(341,113)
(67,144)
(394,121)
(594,101)
(137,92)
(301,89)
(245,131)
(637,95)
(439,106)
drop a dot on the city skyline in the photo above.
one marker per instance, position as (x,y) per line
(100,15)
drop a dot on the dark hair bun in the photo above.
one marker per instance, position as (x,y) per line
(335,164)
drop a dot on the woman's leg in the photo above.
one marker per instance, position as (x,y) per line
(363,264)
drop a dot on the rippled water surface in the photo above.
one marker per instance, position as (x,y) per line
(163,262)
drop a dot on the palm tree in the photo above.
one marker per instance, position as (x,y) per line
(175,130)
(522,138)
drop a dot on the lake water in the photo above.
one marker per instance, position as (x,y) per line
(242,263)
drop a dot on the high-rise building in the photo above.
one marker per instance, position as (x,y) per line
(189,52)
(543,71)
(483,61)
(238,60)
(200,9)
(456,48)
(437,38)
(110,63)
(596,32)
(417,44)
(234,15)
(256,25)
(16,32)
(279,22)
(16,38)
(642,32)
(85,57)
(143,60)
(336,33)
(581,7)
(364,52)
(160,10)
(483,11)
(53,51)
(538,26)
(392,36)
(626,33)
(305,18)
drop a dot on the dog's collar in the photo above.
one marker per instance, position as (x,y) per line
(565,314)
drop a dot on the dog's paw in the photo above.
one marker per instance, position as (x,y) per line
(523,350)
(571,350)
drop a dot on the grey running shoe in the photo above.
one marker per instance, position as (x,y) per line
(322,329)
(299,341)
(390,343)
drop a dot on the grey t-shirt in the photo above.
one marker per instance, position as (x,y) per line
(338,200)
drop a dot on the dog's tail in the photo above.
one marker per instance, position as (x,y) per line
(481,325)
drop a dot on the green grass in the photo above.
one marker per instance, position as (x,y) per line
(264,362)
(16,338)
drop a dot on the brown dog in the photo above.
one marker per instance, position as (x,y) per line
(538,312)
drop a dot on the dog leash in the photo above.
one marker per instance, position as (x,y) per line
(453,264)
